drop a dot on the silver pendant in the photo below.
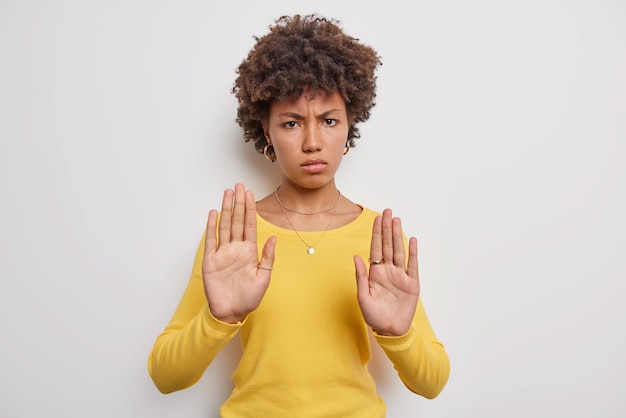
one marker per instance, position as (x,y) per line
(310,251)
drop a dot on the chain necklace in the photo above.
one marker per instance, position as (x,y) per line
(310,249)
(333,206)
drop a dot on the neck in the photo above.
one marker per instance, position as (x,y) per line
(308,201)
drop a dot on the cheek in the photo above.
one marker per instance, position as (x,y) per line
(284,149)
(341,140)
(340,146)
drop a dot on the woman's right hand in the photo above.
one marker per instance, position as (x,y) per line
(234,278)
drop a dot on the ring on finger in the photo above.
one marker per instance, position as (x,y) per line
(375,262)
(263,268)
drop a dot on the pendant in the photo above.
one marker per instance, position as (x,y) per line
(310,251)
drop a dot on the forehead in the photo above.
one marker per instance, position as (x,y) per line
(305,103)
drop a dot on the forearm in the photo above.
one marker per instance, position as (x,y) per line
(422,365)
(181,355)
(419,358)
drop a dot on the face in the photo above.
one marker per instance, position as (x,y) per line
(309,137)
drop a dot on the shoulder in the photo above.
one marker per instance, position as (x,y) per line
(369,213)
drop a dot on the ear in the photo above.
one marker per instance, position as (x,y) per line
(266,131)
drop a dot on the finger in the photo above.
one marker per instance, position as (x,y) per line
(267,256)
(398,243)
(250,222)
(239,213)
(387,235)
(412,269)
(225,219)
(362,278)
(210,241)
(376,246)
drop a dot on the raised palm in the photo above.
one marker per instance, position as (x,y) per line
(235,280)
(389,291)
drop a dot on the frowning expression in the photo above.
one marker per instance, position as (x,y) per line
(309,137)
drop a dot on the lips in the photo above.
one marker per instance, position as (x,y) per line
(314,166)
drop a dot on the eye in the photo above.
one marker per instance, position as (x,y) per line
(330,122)
(290,124)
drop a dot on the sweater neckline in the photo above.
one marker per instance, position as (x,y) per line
(364,216)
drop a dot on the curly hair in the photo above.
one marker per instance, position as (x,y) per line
(304,52)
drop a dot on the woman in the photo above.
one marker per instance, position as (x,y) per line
(281,271)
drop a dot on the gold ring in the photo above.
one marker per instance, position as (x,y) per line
(381,261)
(263,268)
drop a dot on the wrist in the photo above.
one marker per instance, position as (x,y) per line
(390,332)
(227,319)
(232,320)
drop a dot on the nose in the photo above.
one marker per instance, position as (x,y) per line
(312,140)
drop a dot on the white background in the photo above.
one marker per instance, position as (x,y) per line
(499,138)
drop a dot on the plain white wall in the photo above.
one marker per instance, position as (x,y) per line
(499,138)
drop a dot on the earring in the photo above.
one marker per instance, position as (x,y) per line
(347,148)
(269,154)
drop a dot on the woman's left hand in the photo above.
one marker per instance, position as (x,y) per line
(388,294)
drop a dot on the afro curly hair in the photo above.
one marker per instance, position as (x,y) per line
(304,52)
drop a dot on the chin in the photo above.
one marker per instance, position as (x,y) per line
(311,182)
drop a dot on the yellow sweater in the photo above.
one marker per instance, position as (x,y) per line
(306,347)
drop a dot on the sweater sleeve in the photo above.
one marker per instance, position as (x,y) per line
(418,357)
(191,340)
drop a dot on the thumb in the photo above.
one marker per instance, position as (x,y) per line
(362,278)
(268,254)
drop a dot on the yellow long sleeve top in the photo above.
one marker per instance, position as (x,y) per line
(306,347)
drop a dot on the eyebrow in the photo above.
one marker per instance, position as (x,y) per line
(298,116)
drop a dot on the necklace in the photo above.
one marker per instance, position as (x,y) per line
(310,249)
(333,206)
